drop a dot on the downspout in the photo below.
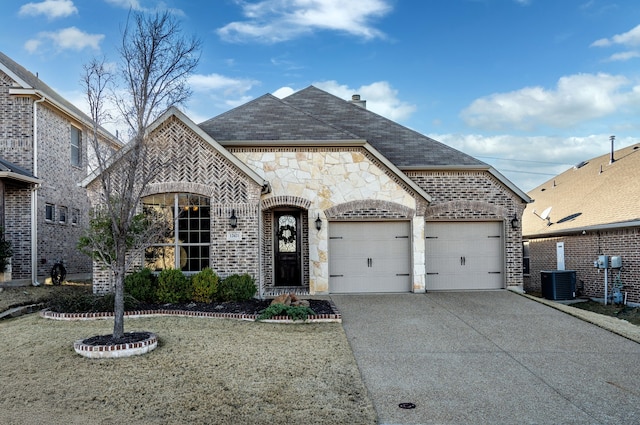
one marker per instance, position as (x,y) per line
(34,198)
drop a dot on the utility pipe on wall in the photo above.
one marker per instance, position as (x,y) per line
(34,197)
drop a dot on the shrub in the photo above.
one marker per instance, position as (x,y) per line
(173,286)
(294,312)
(237,287)
(141,285)
(204,286)
(87,303)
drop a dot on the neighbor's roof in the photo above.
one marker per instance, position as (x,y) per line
(592,195)
(312,115)
(29,84)
(11,171)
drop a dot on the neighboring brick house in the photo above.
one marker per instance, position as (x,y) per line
(330,198)
(595,210)
(43,157)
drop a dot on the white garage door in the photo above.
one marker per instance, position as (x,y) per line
(464,255)
(369,257)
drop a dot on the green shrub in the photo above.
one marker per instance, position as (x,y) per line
(204,286)
(173,286)
(141,285)
(294,312)
(6,251)
(87,303)
(237,287)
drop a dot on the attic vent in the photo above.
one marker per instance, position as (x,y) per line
(580,164)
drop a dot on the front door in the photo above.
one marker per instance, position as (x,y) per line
(287,249)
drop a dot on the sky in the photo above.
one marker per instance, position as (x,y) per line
(531,87)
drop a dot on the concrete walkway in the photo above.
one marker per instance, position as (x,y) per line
(489,358)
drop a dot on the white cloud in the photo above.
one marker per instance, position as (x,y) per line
(624,56)
(52,9)
(629,38)
(576,98)
(126,4)
(283,92)
(550,155)
(272,21)
(220,83)
(66,39)
(380,96)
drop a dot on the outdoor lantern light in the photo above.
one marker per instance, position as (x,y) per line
(514,222)
(233,220)
(318,223)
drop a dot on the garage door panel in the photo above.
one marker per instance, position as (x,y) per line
(369,257)
(464,255)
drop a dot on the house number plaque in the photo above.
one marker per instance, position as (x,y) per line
(234,235)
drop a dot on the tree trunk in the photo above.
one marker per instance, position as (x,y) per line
(118,305)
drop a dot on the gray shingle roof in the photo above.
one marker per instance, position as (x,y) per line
(401,145)
(313,114)
(13,168)
(269,118)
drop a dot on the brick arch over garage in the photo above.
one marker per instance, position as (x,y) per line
(370,209)
(285,201)
(464,210)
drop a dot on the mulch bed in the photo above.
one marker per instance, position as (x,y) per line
(253,306)
(127,338)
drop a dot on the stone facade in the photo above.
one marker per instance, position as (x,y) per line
(341,183)
(580,251)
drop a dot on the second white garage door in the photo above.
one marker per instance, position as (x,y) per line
(464,255)
(369,257)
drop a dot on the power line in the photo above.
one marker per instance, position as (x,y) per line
(528,172)
(523,160)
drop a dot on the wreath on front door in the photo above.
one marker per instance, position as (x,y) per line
(287,234)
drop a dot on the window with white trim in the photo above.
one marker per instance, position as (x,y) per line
(63,215)
(49,212)
(76,142)
(75,216)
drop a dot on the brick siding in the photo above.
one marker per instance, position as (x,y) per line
(475,195)
(580,251)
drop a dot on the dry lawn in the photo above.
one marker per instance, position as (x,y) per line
(204,371)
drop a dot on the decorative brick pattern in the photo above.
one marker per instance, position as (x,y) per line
(580,251)
(203,171)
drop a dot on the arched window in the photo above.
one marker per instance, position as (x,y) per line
(186,243)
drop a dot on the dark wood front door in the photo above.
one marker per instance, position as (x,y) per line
(287,249)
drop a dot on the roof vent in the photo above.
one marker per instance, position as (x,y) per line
(612,159)
(355,99)
(580,164)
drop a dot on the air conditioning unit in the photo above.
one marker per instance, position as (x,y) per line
(558,284)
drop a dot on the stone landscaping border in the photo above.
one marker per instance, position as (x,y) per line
(116,350)
(334,317)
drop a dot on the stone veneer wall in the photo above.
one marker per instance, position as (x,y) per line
(581,251)
(192,165)
(475,195)
(325,178)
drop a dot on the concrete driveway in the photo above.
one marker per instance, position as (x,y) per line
(488,358)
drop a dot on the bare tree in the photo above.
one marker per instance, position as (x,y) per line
(156,59)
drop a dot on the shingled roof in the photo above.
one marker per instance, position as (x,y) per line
(313,114)
(12,171)
(595,194)
(269,118)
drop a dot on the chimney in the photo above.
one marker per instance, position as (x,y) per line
(355,99)
(612,159)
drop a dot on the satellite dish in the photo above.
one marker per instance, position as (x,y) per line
(545,213)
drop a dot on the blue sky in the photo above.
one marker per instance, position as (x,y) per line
(531,87)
